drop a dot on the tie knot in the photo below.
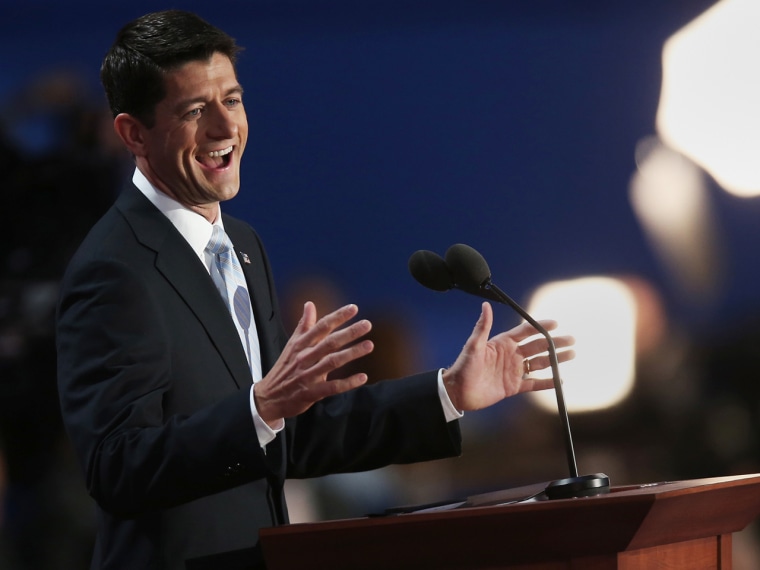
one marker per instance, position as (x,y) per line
(219,241)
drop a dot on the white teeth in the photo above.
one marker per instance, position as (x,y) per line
(216,153)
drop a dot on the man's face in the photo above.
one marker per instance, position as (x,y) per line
(193,150)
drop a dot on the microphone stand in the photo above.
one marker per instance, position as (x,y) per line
(575,485)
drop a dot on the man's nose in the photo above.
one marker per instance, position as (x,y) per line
(222,122)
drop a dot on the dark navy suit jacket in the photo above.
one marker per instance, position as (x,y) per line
(154,387)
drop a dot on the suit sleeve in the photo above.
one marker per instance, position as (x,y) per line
(391,422)
(115,373)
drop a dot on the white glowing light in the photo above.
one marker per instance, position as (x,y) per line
(669,197)
(710,91)
(600,313)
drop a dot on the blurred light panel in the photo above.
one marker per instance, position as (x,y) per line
(600,312)
(710,91)
(669,197)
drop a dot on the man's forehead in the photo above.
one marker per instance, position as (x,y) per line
(216,67)
(201,79)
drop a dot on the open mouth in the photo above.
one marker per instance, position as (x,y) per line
(216,158)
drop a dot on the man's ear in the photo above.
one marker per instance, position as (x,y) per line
(130,130)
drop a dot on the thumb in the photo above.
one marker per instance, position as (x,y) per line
(483,326)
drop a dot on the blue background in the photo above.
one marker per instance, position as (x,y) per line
(380,128)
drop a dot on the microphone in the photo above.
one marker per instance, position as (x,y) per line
(433,272)
(430,269)
(465,269)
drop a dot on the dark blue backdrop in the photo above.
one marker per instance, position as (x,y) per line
(379,128)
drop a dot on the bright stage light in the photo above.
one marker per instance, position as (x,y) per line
(710,91)
(600,312)
(670,199)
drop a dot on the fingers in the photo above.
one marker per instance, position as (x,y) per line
(308,318)
(535,352)
(328,349)
(540,345)
(543,361)
(525,330)
(310,331)
(323,346)
(317,347)
(323,360)
(535,384)
(340,385)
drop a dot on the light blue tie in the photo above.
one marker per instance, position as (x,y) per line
(229,279)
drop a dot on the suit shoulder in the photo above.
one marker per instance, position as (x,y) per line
(111,228)
(241,232)
(234,224)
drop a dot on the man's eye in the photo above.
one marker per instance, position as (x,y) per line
(194,112)
(233,102)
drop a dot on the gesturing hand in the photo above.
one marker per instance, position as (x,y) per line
(317,347)
(487,371)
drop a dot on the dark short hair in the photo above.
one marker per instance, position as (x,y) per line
(147,48)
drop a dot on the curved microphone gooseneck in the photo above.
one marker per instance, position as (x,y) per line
(465,269)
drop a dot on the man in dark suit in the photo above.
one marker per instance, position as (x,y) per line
(186,414)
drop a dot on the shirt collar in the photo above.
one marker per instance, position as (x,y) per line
(194,228)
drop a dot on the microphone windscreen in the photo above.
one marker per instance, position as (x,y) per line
(468,268)
(430,270)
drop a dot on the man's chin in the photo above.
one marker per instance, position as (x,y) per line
(218,190)
(228,193)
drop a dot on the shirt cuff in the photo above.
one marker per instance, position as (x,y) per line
(449,411)
(264,433)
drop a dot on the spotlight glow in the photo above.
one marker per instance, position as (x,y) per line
(711,85)
(600,312)
(670,199)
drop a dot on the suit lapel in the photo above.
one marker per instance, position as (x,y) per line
(179,265)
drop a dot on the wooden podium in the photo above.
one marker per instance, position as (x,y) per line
(684,524)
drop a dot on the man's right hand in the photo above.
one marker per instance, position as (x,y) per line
(317,347)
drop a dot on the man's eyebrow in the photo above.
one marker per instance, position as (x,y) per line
(234,90)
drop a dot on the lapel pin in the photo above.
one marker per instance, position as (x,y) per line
(246,259)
